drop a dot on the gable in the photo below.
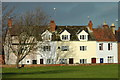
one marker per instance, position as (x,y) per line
(74,31)
(65,32)
(46,32)
(83,33)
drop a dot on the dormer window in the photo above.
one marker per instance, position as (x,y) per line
(47,36)
(65,36)
(83,36)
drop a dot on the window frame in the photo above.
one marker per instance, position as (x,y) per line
(48,61)
(63,61)
(46,48)
(110,59)
(109,46)
(82,37)
(83,48)
(65,37)
(83,61)
(64,48)
(100,46)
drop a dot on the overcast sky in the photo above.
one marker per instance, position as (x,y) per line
(74,13)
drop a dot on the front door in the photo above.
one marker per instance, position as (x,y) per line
(41,61)
(93,60)
(101,60)
(70,60)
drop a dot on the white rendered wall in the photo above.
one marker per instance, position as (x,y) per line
(74,50)
(46,54)
(105,52)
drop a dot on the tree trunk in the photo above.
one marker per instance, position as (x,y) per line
(3,55)
(17,63)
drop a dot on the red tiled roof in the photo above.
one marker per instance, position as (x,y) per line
(118,34)
(104,34)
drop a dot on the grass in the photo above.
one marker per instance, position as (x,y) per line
(98,71)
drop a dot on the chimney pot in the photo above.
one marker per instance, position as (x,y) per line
(9,22)
(113,28)
(90,24)
(105,25)
(119,28)
(52,26)
(113,24)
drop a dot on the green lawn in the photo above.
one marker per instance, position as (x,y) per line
(98,71)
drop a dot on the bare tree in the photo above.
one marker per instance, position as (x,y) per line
(6,12)
(47,51)
(63,53)
(27,28)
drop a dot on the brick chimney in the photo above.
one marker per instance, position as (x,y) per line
(52,26)
(90,25)
(9,22)
(113,28)
(105,25)
(118,28)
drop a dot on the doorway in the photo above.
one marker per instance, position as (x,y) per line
(93,60)
(70,60)
(41,61)
(101,60)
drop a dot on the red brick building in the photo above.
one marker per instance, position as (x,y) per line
(2,58)
(118,39)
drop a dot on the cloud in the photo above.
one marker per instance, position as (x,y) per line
(71,13)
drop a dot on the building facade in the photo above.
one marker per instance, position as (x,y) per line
(107,47)
(118,39)
(73,45)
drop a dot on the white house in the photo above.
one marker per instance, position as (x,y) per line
(73,52)
(46,52)
(106,48)
(74,45)
(107,52)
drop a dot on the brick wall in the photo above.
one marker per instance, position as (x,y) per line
(2,59)
(39,65)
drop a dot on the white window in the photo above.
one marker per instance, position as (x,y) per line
(110,59)
(52,61)
(63,61)
(46,48)
(83,48)
(34,61)
(46,36)
(109,46)
(65,48)
(83,36)
(48,61)
(64,37)
(100,46)
(83,61)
